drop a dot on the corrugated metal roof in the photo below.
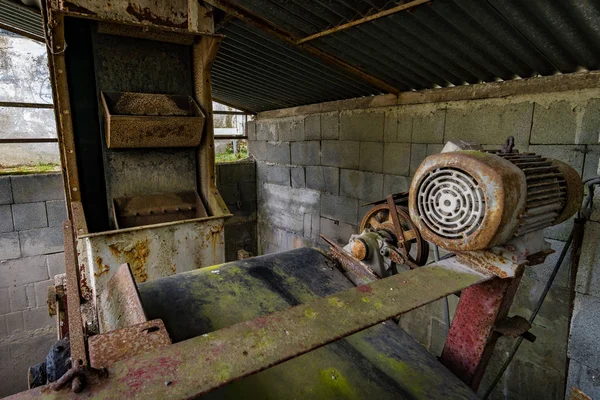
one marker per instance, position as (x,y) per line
(255,71)
(442,43)
(21,19)
(438,44)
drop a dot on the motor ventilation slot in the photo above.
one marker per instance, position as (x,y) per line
(451,203)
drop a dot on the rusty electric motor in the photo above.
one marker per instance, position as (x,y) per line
(474,200)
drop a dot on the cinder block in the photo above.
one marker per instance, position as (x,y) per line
(361,185)
(438,337)
(306,153)
(390,126)
(258,149)
(230,193)
(23,271)
(323,179)
(3,332)
(6,196)
(29,216)
(555,123)
(434,148)
(56,264)
(266,130)
(330,126)
(366,126)
(276,174)
(298,178)
(251,129)
(290,129)
(560,231)
(38,187)
(312,127)
(337,231)
(585,331)
(14,322)
(395,184)
(583,378)
(9,246)
(284,208)
(405,127)
(340,154)
(275,152)
(592,159)
(41,241)
(572,155)
(541,273)
(590,124)
(418,152)
(237,171)
(371,156)
(311,226)
(429,128)
(41,292)
(489,124)
(588,277)
(6,220)
(21,297)
(4,301)
(37,318)
(247,191)
(343,209)
(396,158)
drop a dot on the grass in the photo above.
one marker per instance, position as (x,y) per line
(29,169)
(228,156)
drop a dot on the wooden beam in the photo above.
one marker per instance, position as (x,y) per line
(369,18)
(263,24)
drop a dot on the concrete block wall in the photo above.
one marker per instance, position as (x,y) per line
(584,341)
(32,209)
(237,185)
(315,171)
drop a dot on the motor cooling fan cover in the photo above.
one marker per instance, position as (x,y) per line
(467,200)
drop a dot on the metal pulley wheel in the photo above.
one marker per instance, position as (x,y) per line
(380,219)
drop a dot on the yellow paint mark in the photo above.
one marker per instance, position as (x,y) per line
(334,301)
(378,304)
(310,313)
(366,300)
(335,385)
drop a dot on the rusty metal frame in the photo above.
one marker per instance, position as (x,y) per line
(253,19)
(472,335)
(360,21)
(196,366)
(76,334)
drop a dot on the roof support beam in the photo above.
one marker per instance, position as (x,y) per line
(372,17)
(261,23)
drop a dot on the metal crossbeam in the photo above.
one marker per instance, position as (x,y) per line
(204,363)
(369,18)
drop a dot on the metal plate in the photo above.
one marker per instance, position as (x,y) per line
(120,304)
(152,252)
(108,348)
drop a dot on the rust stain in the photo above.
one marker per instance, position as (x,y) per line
(102,268)
(145,14)
(77,8)
(134,254)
